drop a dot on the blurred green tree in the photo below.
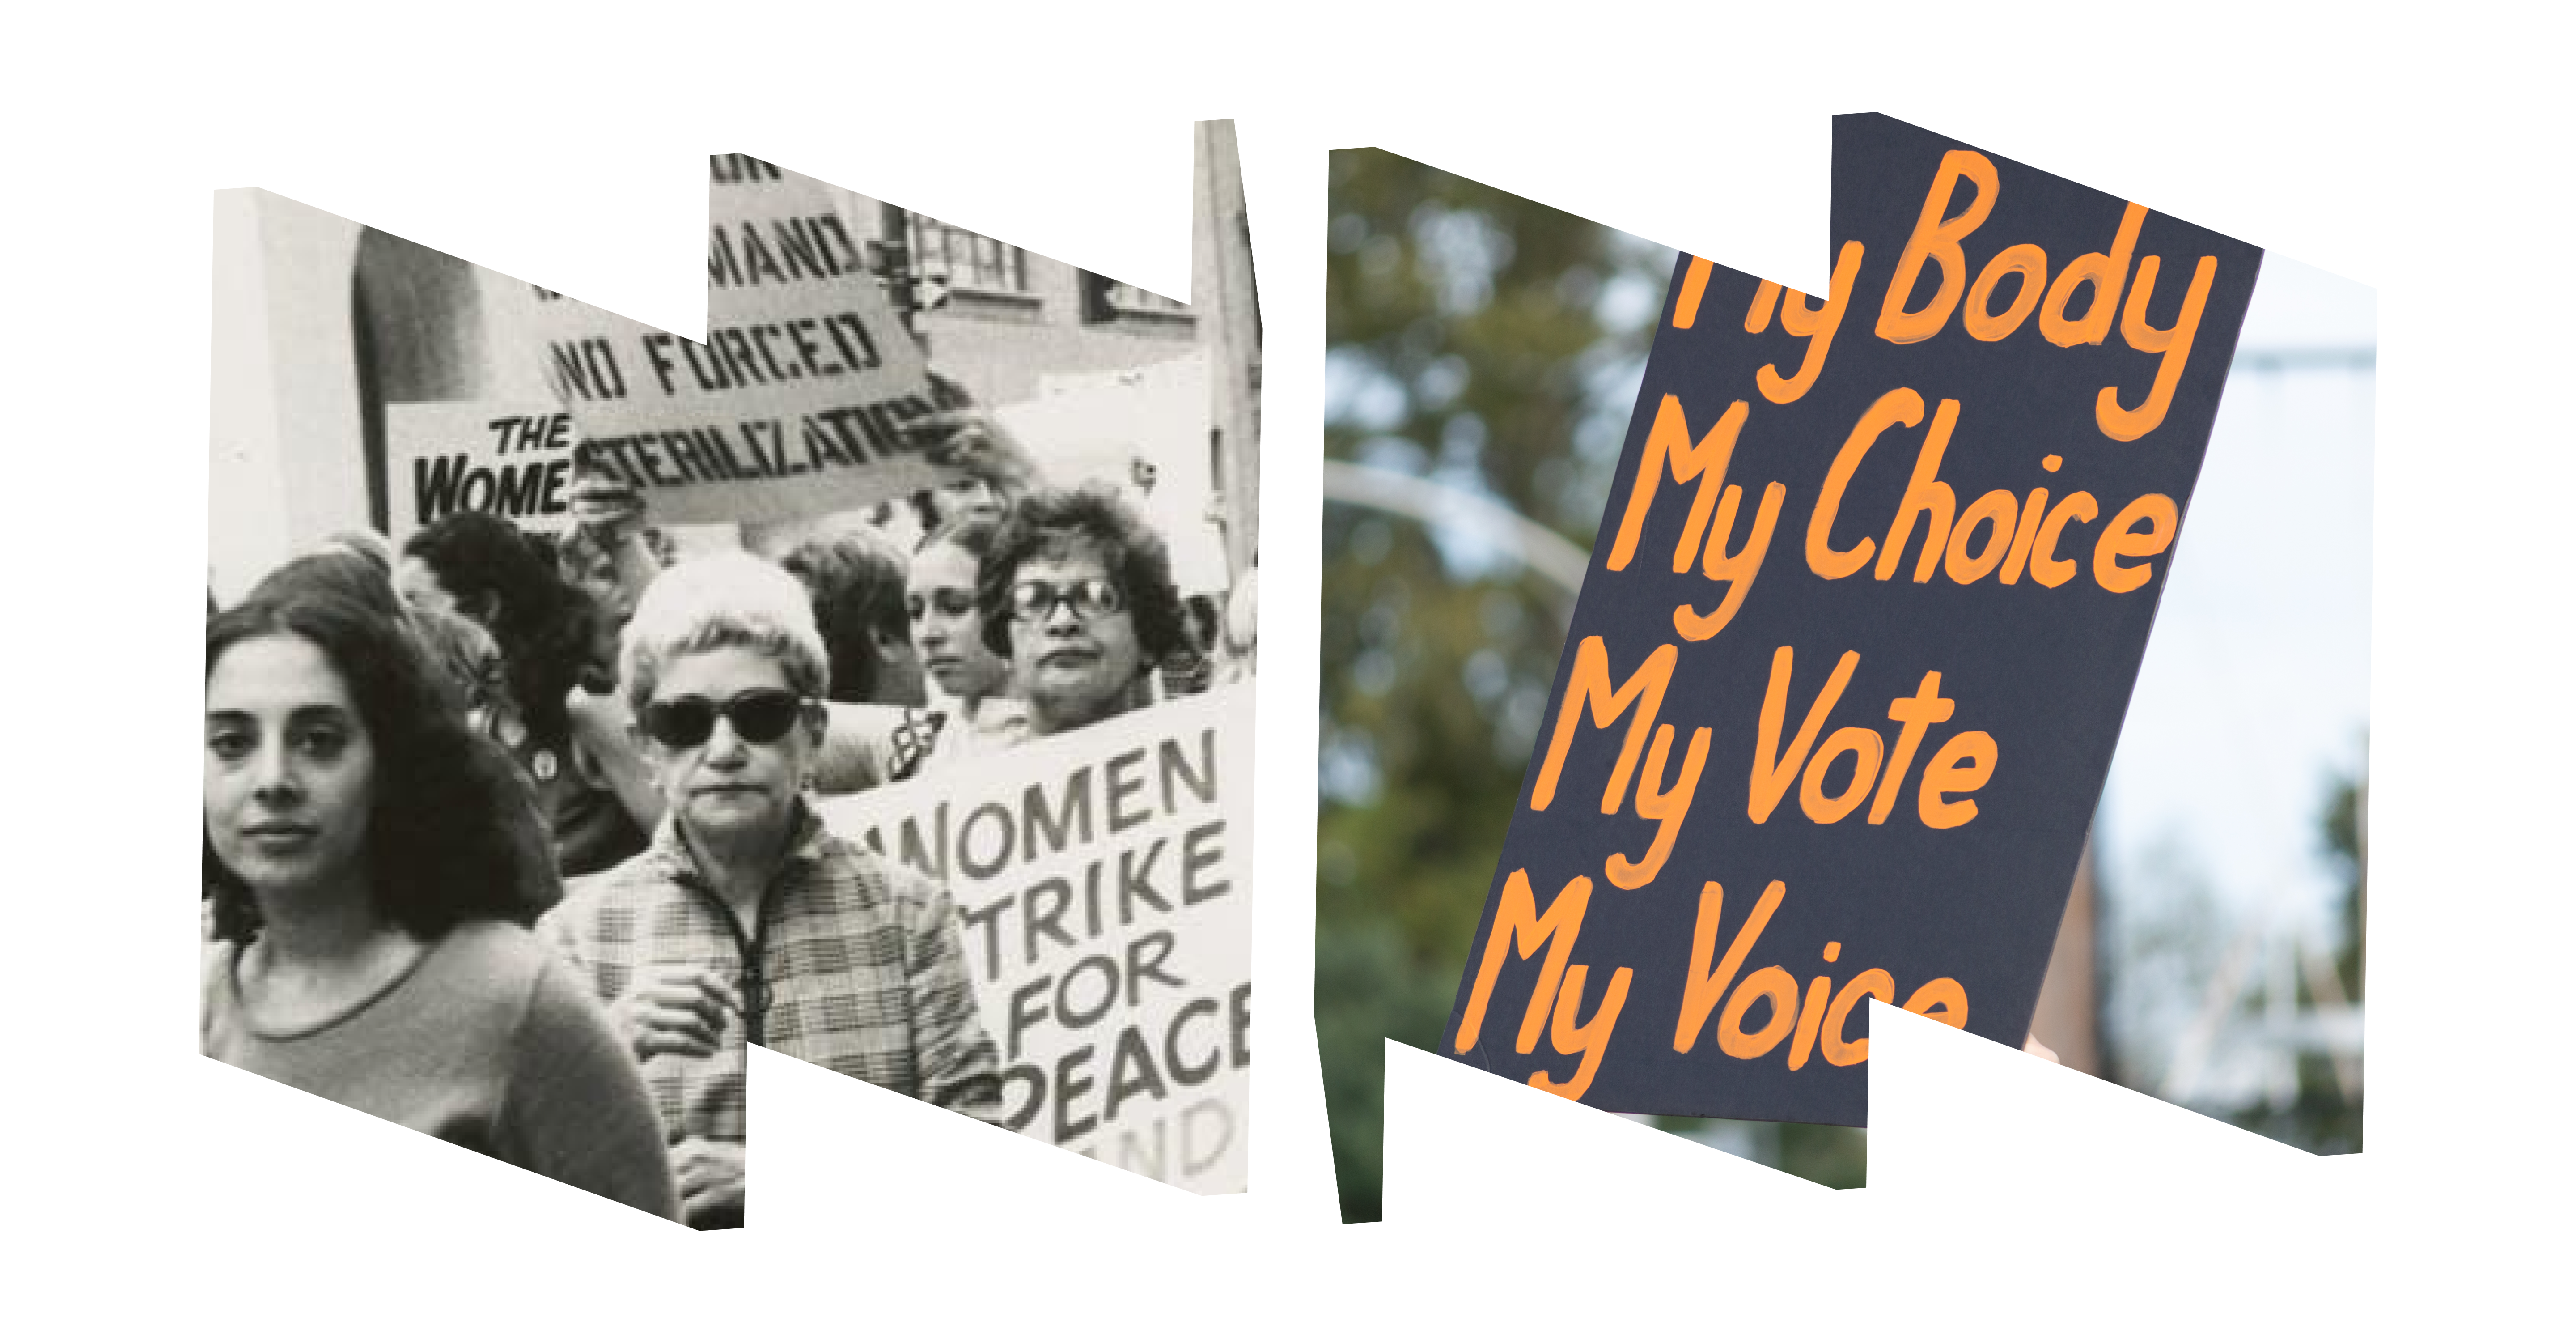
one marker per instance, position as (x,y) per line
(2324,1114)
(1495,346)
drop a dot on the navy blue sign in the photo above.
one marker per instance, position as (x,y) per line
(1873,584)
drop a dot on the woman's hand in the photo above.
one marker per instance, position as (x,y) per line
(956,439)
(674,1009)
(710,1178)
(606,554)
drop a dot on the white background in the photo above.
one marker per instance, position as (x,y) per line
(158,1193)
(2252,703)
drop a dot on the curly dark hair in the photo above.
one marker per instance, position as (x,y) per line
(449,835)
(856,581)
(1049,524)
(545,626)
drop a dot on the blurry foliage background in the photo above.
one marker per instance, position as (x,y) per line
(1495,346)
(2167,941)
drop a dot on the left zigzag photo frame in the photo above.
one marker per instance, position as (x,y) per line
(870,681)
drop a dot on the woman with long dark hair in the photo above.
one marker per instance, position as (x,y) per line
(466,663)
(357,850)
(597,799)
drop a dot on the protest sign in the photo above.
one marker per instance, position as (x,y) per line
(1102,880)
(443,457)
(796,403)
(1144,433)
(1852,653)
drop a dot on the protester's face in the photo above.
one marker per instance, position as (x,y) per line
(726,787)
(947,631)
(1073,667)
(420,589)
(290,769)
(969,497)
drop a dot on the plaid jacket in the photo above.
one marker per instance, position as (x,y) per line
(856,965)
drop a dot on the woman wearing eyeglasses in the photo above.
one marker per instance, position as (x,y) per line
(358,846)
(744,920)
(1078,595)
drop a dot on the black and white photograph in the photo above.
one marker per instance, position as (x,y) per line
(870,681)
(744,599)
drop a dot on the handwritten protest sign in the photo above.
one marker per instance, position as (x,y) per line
(1870,594)
(1143,432)
(443,457)
(796,403)
(1103,885)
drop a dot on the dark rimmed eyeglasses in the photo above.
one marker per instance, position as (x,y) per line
(759,716)
(1088,599)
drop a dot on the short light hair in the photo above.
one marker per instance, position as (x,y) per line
(731,599)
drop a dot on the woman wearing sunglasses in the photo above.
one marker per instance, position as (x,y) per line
(1078,595)
(744,920)
(358,847)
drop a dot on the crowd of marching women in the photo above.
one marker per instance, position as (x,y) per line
(508,838)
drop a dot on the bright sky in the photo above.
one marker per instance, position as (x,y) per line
(2255,691)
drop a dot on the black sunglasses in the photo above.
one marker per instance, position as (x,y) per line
(759,716)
